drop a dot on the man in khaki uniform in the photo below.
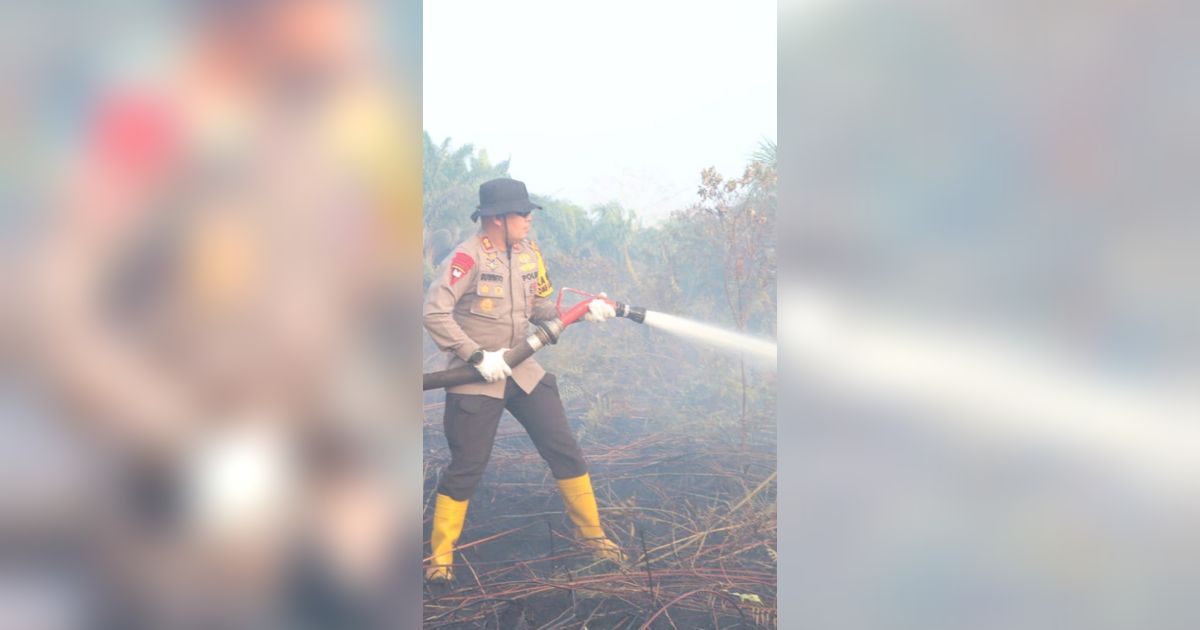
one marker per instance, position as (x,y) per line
(481,302)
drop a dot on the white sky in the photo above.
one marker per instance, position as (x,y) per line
(603,101)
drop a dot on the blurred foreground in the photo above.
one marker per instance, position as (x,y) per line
(207,226)
(991,345)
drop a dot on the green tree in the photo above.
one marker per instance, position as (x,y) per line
(451,179)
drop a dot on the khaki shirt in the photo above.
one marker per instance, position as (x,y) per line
(483,297)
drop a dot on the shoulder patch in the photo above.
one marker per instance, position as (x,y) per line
(460,266)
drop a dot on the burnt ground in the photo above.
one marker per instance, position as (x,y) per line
(693,506)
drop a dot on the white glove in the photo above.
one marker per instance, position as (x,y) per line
(492,367)
(599,310)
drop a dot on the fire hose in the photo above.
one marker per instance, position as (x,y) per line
(545,333)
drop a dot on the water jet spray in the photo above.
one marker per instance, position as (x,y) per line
(548,332)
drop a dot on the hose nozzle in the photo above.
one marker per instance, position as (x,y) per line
(636,313)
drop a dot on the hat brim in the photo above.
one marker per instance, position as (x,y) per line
(507,207)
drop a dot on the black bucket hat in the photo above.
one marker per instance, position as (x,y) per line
(502,196)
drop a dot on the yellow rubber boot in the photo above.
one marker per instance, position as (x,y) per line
(580,502)
(448,517)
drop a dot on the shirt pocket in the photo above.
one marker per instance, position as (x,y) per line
(489,300)
(528,289)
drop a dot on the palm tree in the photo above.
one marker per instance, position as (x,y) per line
(451,179)
(766,154)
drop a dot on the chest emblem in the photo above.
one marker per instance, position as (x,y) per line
(486,305)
